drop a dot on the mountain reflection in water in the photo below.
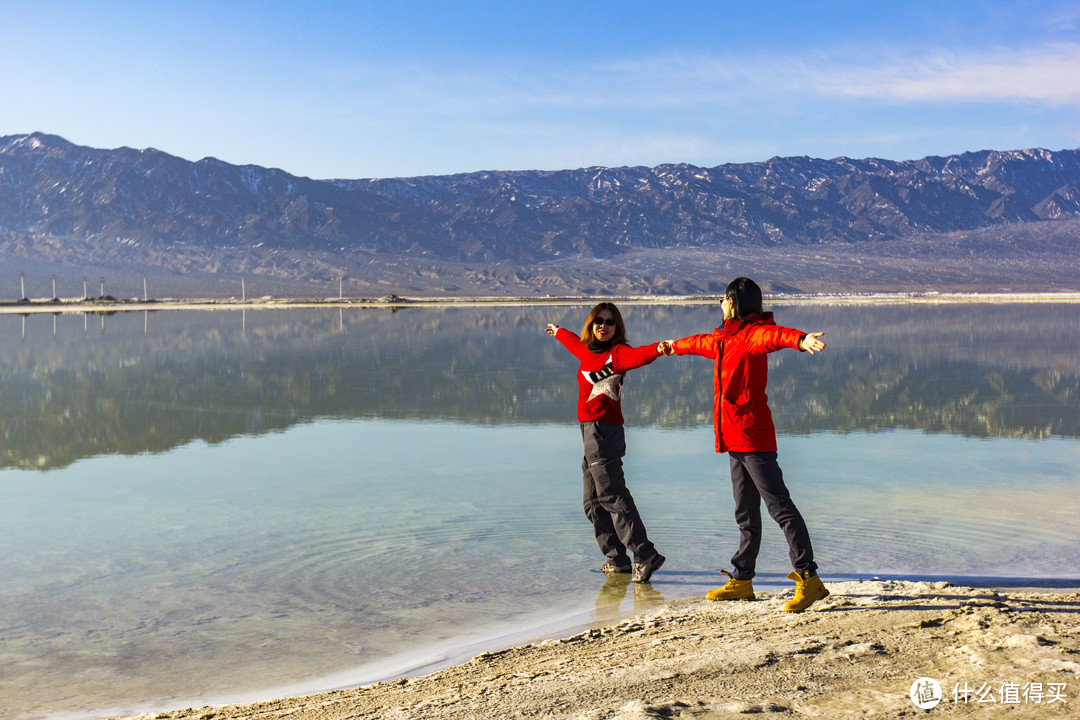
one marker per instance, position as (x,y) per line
(136,383)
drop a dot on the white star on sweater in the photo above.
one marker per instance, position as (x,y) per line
(605,381)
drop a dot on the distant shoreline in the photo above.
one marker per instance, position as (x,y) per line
(110,305)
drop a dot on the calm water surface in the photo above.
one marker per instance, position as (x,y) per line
(206,507)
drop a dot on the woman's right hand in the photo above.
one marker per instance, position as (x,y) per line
(552,328)
(665,347)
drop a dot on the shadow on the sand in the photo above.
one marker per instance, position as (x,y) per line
(985,591)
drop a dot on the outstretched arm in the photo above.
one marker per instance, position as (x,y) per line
(703,345)
(626,358)
(569,340)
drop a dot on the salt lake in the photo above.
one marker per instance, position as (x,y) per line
(201,507)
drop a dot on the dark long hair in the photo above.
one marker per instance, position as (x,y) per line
(745,297)
(620,327)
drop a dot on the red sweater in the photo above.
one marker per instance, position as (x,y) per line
(741,416)
(600,376)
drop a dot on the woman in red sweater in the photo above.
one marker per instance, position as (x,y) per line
(605,357)
(744,429)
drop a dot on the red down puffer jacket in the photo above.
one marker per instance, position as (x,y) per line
(741,416)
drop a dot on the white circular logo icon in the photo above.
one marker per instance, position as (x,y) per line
(925,693)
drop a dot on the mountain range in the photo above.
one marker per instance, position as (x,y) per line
(988,220)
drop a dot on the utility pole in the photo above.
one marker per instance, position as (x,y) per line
(22,287)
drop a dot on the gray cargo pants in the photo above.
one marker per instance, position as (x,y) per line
(608,503)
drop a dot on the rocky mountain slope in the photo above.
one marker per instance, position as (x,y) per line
(983,219)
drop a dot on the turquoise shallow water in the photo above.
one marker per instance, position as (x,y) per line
(340,552)
(245,521)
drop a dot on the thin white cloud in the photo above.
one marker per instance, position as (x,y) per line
(652,83)
(1050,75)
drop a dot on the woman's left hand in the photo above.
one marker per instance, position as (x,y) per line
(552,328)
(812,343)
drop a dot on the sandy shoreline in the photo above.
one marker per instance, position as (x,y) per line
(62,306)
(857,654)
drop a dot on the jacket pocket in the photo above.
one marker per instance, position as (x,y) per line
(740,414)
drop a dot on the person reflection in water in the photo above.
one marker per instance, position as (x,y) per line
(609,602)
(744,429)
(605,356)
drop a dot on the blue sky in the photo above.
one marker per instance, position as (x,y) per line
(401,88)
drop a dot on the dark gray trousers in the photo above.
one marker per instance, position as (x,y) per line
(608,503)
(754,477)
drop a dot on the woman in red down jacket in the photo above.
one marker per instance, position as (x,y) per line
(605,357)
(744,429)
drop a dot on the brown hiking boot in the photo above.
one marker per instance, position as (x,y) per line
(808,590)
(733,589)
(643,571)
(611,567)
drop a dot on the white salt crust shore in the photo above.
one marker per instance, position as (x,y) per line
(855,654)
(93,306)
(96,306)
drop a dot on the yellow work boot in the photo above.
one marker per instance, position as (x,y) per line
(733,589)
(808,590)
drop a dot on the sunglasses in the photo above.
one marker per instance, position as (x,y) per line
(604,321)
